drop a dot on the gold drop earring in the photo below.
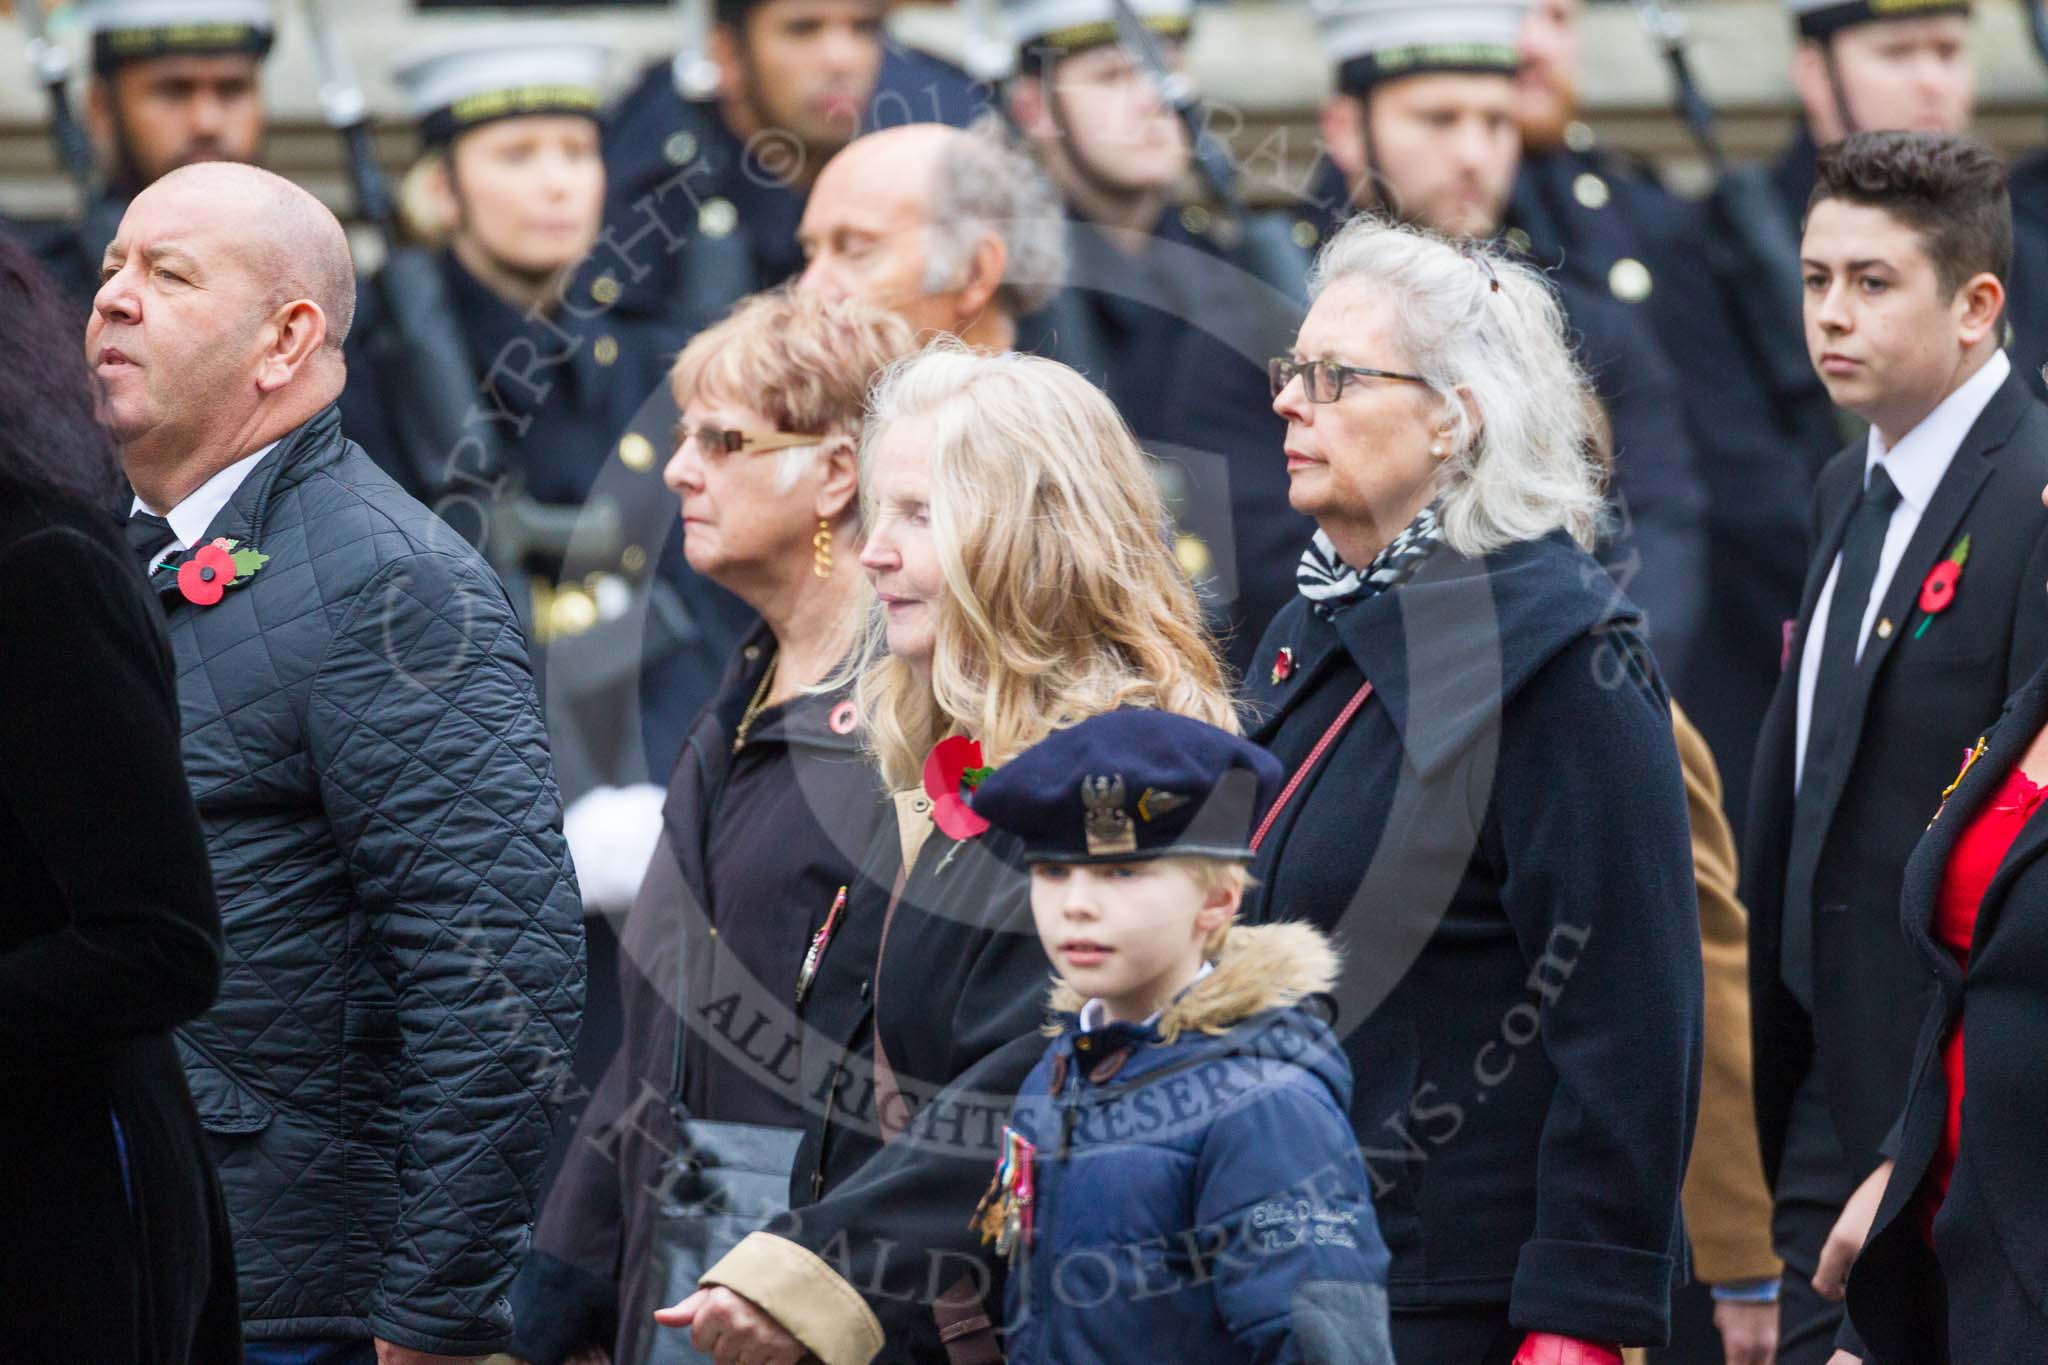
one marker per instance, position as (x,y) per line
(821,549)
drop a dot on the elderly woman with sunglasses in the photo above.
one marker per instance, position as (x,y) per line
(770,808)
(1485,809)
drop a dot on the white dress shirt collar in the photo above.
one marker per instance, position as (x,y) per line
(190,518)
(1093,1014)
(1924,454)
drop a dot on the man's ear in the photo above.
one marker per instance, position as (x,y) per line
(1340,123)
(1030,110)
(727,54)
(1983,308)
(984,276)
(99,114)
(838,478)
(291,339)
(1816,91)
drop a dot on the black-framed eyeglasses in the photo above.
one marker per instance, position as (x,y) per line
(725,441)
(1323,380)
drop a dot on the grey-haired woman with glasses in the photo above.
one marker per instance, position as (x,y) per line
(770,807)
(1485,808)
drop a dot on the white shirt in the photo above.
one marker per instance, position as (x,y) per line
(1092,1013)
(190,518)
(1916,467)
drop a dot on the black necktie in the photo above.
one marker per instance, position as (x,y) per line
(149,536)
(1832,731)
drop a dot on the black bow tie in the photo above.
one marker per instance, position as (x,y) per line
(149,536)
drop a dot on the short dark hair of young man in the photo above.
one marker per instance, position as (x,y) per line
(1907,246)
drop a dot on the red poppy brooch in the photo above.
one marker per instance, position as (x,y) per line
(216,567)
(1283,665)
(954,763)
(1938,592)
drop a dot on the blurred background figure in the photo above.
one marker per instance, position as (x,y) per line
(112,1236)
(768,812)
(1173,303)
(1422,128)
(173,82)
(511,185)
(951,230)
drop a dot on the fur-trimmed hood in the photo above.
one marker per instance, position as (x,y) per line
(1261,967)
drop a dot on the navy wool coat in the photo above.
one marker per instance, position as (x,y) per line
(1499,844)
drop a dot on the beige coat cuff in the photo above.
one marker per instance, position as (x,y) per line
(809,1298)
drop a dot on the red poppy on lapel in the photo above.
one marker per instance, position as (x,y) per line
(953,761)
(1283,665)
(206,575)
(1939,589)
(215,567)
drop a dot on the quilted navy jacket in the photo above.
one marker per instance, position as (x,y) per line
(404,950)
(1198,1192)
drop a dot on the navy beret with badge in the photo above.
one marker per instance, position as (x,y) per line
(1131,785)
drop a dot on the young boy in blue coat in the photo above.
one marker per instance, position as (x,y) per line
(1179,1180)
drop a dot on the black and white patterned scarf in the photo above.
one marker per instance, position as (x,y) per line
(1328,582)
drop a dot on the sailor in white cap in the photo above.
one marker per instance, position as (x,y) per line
(511,187)
(1873,65)
(173,82)
(1422,121)
(176,81)
(1163,306)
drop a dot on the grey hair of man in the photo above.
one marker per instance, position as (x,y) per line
(1488,334)
(984,184)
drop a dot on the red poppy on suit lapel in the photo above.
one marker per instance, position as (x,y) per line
(954,761)
(1939,589)
(1283,665)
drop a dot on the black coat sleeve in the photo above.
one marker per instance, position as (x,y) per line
(1599,886)
(865,1264)
(96,784)
(434,775)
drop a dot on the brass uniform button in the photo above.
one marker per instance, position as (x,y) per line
(605,289)
(572,612)
(1195,219)
(1304,233)
(1518,241)
(1591,191)
(1191,552)
(633,559)
(636,452)
(717,218)
(1579,137)
(606,350)
(680,149)
(1630,280)
(1884,628)
(751,653)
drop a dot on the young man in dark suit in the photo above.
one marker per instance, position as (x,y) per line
(1922,609)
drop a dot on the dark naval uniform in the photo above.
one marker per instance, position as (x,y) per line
(1179,338)
(61,250)
(562,394)
(1589,219)
(1762,438)
(2026,310)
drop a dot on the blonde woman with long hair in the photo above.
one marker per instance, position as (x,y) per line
(1022,582)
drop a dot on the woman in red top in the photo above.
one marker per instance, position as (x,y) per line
(1955,1268)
